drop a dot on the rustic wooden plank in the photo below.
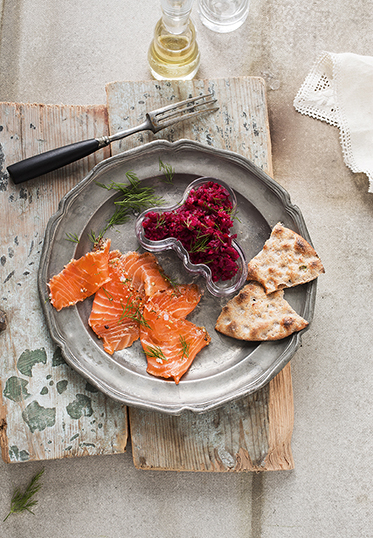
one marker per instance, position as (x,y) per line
(225,439)
(47,410)
(281,419)
(254,433)
(241,124)
(250,434)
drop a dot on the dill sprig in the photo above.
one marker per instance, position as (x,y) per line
(72,237)
(172,282)
(155,352)
(168,172)
(139,317)
(108,294)
(160,221)
(95,239)
(23,501)
(201,243)
(185,347)
(133,312)
(132,199)
(136,315)
(126,309)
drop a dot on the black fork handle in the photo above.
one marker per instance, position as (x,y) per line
(51,160)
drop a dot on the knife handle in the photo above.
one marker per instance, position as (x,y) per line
(51,160)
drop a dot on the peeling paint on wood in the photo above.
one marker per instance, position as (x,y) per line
(47,411)
(3,320)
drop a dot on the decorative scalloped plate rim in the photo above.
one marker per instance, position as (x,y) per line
(226,369)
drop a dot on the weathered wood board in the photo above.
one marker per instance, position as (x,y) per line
(240,125)
(253,433)
(47,410)
(250,434)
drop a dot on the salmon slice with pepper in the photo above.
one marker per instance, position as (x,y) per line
(145,271)
(80,278)
(116,311)
(170,344)
(178,301)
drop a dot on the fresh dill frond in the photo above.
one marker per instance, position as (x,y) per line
(172,282)
(126,309)
(93,237)
(24,501)
(136,315)
(201,243)
(185,347)
(168,172)
(108,294)
(131,311)
(160,221)
(155,352)
(132,177)
(139,317)
(72,237)
(132,198)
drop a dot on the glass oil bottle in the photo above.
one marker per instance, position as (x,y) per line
(173,52)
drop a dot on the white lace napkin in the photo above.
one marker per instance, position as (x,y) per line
(339,91)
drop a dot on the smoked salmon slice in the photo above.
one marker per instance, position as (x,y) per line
(145,272)
(134,299)
(116,311)
(170,344)
(178,301)
(80,278)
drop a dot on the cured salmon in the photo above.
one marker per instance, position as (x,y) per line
(145,271)
(178,301)
(116,310)
(134,299)
(170,344)
(80,278)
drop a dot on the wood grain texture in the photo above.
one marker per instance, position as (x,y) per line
(254,433)
(240,124)
(47,410)
(230,438)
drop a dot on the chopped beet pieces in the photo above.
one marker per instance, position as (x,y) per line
(202,225)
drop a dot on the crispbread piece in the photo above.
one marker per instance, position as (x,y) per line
(256,316)
(286,260)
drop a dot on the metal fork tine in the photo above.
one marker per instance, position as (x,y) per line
(172,120)
(189,108)
(180,104)
(182,110)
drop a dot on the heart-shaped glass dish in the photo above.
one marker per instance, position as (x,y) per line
(218,288)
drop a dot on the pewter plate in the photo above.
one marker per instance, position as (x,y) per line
(226,369)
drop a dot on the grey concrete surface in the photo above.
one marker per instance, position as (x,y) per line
(65,52)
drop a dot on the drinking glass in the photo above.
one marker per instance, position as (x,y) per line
(223,15)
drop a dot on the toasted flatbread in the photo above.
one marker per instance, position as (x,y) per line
(286,260)
(256,316)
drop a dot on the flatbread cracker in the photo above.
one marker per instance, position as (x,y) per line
(286,260)
(256,316)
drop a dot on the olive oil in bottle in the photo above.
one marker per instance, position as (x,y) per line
(173,52)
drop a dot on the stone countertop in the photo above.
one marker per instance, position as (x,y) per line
(66,53)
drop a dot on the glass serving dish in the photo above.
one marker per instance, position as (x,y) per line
(221,288)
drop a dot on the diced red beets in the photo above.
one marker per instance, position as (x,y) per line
(202,225)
